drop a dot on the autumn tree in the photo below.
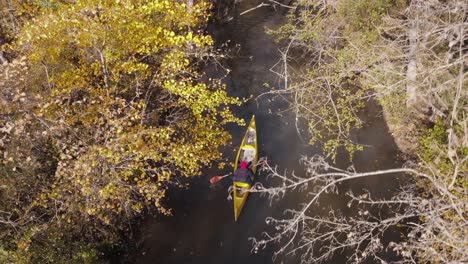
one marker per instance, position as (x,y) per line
(103,111)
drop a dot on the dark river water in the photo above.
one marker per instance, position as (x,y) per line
(202,228)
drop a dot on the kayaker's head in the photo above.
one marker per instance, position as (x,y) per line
(244,165)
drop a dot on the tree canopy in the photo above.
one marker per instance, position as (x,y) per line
(103,109)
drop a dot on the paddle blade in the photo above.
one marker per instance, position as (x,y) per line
(216,179)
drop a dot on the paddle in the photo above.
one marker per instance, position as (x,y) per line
(216,179)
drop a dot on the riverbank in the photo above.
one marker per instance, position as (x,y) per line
(356,51)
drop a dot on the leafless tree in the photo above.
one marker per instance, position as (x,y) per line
(316,237)
(416,70)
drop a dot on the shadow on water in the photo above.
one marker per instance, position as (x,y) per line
(202,228)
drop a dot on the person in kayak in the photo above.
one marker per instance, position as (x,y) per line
(243,173)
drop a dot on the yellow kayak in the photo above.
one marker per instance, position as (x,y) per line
(248,152)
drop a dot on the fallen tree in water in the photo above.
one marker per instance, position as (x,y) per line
(434,226)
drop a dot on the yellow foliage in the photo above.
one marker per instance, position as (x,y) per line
(125,106)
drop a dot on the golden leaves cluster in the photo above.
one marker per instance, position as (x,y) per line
(124,105)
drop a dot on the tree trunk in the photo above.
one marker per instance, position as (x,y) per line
(411,72)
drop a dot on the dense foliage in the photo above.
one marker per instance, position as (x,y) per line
(103,108)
